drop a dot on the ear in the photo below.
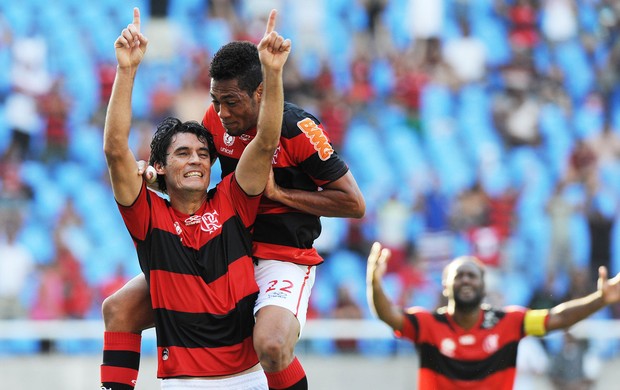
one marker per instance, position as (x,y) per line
(259,91)
(159,168)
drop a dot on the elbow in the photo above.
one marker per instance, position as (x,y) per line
(359,207)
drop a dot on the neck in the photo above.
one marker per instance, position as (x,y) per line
(188,202)
(465,318)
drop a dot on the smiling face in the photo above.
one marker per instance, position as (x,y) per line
(464,283)
(188,165)
(237,110)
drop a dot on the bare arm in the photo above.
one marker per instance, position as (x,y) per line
(130,47)
(254,165)
(341,198)
(379,303)
(568,313)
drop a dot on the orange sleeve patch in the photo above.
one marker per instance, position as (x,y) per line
(317,138)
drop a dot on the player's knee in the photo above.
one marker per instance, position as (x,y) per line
(116,315)
(273,352)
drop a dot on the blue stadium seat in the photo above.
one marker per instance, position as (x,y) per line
(578,74)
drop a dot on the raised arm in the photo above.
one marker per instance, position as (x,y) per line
(126,181)
(379,303)
(254,165)
(568,313)
(341,198)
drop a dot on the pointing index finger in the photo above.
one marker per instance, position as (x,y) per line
(271,23)
(136,17)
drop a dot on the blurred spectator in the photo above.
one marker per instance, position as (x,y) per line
(362,92)
(24,121)
(567,371)
(502,211)
(432,63)
(193,96)
(393,218)
(601,212)
(470,209)
(54,108)
(111,284)
(77,295)
(15,194)
(424,18)
(434,205)
(335,115)
(560,211)
(346,308)
(467,55)
(16,268)
(581,163)
(532,365)
(559,20)
(49,298)
(516,114)
(606,146)
(522,16)
(29,73)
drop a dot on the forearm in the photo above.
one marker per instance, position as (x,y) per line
(382,307)
(118,118)
(327,203)
(569,313)
(269,124)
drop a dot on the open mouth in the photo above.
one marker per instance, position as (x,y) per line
(193,174)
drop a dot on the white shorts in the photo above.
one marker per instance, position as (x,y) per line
(286,285)
(251,381)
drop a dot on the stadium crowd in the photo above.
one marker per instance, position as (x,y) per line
(479,127)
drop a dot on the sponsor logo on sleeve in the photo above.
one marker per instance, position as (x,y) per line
(317,137)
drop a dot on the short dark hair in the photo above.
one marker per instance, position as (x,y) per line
(238,60)
(162,139)
(461,260)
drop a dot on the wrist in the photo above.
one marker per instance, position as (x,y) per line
(126,70)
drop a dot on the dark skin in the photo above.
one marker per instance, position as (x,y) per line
(464,287)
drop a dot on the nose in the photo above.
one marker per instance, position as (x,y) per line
(194,158)
(223,112)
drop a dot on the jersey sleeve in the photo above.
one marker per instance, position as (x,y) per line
(411,324)
(137,215)
(312,149)
(245,206)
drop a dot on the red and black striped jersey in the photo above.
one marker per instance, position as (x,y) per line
(201,277)
(451,357)
(304,160)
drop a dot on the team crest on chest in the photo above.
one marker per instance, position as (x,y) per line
(209,222)
(491,343)
(228,139)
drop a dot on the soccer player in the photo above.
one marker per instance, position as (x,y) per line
(309,180)
(195,248)
(467,344)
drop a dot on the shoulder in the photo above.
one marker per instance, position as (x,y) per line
(296,120)
(211,120)
(508,314)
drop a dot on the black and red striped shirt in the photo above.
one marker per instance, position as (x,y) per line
(201,278)
(451,357)
(304,160)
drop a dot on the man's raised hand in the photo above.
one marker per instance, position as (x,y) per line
(273,49)
(610,288)
(131,45)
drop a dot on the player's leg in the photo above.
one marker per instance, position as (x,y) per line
(280,317)
(126,313)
